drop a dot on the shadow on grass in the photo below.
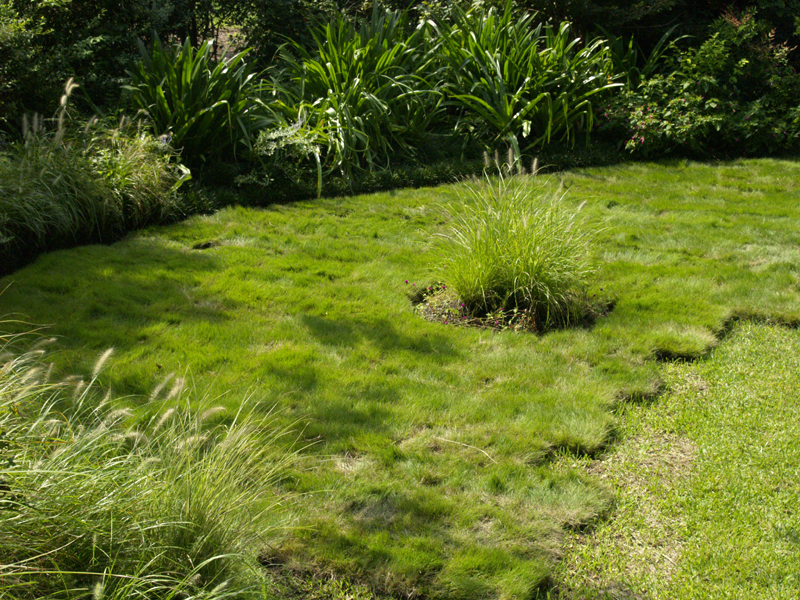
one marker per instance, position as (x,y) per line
(381,333)
(114,296)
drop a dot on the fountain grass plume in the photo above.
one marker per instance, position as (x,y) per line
(93,504)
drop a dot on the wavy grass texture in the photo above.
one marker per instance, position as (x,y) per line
(706,483)
(310,302)
(176,507)
(514,245)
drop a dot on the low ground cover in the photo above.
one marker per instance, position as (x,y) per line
(429,455)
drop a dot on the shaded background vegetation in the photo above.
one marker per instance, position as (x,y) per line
(338,96)
(44,43)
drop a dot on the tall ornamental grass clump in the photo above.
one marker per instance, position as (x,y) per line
(71,184)
(514,245)
(516,80)
(91,506)
(207,109)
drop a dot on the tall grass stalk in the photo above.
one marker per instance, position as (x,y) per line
(514,244)
(76,184)
(92,506)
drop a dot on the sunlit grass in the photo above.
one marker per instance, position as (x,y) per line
(707,483)
(429,460)
(178,505)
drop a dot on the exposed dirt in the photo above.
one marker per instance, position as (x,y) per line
(437,303)
(229,42)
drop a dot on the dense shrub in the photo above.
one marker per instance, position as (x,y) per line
(663,114)
(734,94)
(266,26)
(648,21)
(21,81)
(93,41)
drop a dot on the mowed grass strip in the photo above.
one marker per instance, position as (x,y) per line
(428,448)
(707,483)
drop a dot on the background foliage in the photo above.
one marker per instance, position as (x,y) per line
(736,93)
(336,96)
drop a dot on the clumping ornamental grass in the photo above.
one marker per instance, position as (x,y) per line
(209,109)
(514,245)
(68,184)
(175,506)
(365,92)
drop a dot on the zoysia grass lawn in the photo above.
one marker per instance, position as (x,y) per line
(432,454)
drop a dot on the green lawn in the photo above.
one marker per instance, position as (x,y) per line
(706,481)
(435,459)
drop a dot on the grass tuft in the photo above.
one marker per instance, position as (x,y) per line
(514,246)
(91,505)
(65,185)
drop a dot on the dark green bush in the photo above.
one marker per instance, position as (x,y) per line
(736,94)
(268,25)
(663,115)
(207,109)
(21,84)
(92,40)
